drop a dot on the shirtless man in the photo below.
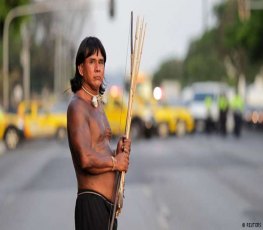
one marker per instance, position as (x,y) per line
(89,135)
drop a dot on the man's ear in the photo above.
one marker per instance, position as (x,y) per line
(80,69)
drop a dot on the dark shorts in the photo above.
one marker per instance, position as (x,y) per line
(93,211)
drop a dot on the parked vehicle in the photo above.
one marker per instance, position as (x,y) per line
(142,122)
(173,120)
(197,105)
(33,120)
(43,121)
(11,129)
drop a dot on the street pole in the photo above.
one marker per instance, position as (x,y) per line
(26,10)
(25,60)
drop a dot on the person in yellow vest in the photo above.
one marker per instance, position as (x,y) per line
(223,106)
(237,106)
(208,121)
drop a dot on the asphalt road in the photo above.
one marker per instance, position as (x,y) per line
(196,182)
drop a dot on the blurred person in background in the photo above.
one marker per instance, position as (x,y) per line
(208,121)
(237,106)
(223,106)
(89,136)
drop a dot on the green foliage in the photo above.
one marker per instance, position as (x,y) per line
(171,69)
(244,41)
(14,39)
(241,42)
(247,35)
(251,36)
(202,62)
(5,7)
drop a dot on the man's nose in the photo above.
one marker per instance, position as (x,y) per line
(97,66)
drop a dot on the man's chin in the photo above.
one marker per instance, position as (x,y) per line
(96,86)
(98,83)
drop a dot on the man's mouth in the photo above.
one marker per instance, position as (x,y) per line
(98,78)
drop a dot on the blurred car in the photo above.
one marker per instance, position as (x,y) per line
(43,121)
(142,121)
(33,120)
(173,120)
(11,129)
(197,105)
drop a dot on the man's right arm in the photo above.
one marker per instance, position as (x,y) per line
(84,156)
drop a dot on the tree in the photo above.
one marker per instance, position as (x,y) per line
(52,37)
(5,7)
(171,69)
(231,49)
(241,40)
(202,61)
(14,37)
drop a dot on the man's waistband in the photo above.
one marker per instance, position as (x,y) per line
(88,191)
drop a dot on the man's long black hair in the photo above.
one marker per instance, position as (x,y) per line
(88,47)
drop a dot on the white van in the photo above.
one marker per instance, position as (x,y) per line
(197,107)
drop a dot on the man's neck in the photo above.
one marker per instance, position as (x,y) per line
(94,99)
(89,89)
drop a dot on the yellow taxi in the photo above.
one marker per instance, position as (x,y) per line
(142,122)
(11,129)
(173,120)
(42,120)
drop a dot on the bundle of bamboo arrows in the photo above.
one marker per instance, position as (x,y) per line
(136,53)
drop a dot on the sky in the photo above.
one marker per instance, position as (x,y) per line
(171,25)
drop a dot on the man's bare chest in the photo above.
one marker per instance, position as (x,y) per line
(99,125)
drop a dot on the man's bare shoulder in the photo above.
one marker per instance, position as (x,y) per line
(76,104)
(77,109)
